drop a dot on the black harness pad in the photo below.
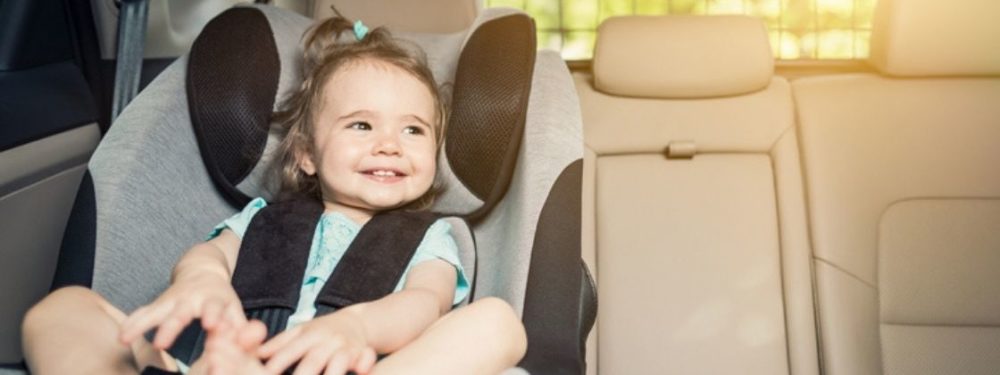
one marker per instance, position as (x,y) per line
(274,252)
(375,260)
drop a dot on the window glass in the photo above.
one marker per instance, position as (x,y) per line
(799,29)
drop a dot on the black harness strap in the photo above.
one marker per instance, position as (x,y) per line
(274,252)
(375,260)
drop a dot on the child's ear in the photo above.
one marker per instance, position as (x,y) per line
(306,163)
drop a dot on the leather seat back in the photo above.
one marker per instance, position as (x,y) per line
(904,195)
(701,249)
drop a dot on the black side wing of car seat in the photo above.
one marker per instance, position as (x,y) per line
(493,84)
(232,80)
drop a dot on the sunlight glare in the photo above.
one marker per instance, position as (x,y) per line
(800,29)
(837,6)
(726,7)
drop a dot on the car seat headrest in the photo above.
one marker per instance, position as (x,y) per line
(232,79)
(936,38)
(489,107)
(233,84)
(682,56)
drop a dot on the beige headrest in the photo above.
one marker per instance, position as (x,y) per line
(936,37)
(682,56)
(423,16)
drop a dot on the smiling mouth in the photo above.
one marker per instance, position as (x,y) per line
(384,175)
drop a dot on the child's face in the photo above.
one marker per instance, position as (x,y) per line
(374,142)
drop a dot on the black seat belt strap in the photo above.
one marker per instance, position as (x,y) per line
(132,18)
(375,260)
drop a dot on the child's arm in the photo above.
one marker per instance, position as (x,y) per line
(349,338)
(200,288)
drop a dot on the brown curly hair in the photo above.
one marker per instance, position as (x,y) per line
(327,47)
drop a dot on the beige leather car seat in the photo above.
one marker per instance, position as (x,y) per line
(904,195)
(702,255)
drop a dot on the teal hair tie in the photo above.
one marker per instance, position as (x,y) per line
(360,30)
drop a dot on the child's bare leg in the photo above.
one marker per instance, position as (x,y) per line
(485,337)
(75,331)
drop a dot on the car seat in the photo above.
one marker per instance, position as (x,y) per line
(904,195)
(685,121)
(511,166)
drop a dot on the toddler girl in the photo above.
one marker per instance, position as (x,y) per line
(362,136)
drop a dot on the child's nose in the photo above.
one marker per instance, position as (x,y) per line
(387,144)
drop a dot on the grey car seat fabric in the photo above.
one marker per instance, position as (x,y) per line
(152,196)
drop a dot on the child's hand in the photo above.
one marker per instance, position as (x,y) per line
(230,350)
(333,342)
(209,297)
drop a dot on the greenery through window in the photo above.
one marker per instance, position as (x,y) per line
(799,29)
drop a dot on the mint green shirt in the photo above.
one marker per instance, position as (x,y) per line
(333,235)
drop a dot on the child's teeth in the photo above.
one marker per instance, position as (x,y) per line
(384,173)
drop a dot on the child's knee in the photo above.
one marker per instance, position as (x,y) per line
(74,296)
(501,321)
(497,309)
(56,305)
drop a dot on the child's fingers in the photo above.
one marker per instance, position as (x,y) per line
(315,360)
(172,326)
(219,350)
(277,342)
(339,363)
(293,352)
(201,366)
(142,320)
(365,362)
(211,314)
(218,366)
(251,335)
(215,364)
(234,313)
(221,359)
(221,336)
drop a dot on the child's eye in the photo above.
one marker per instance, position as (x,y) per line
(360,125)
(416,130)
